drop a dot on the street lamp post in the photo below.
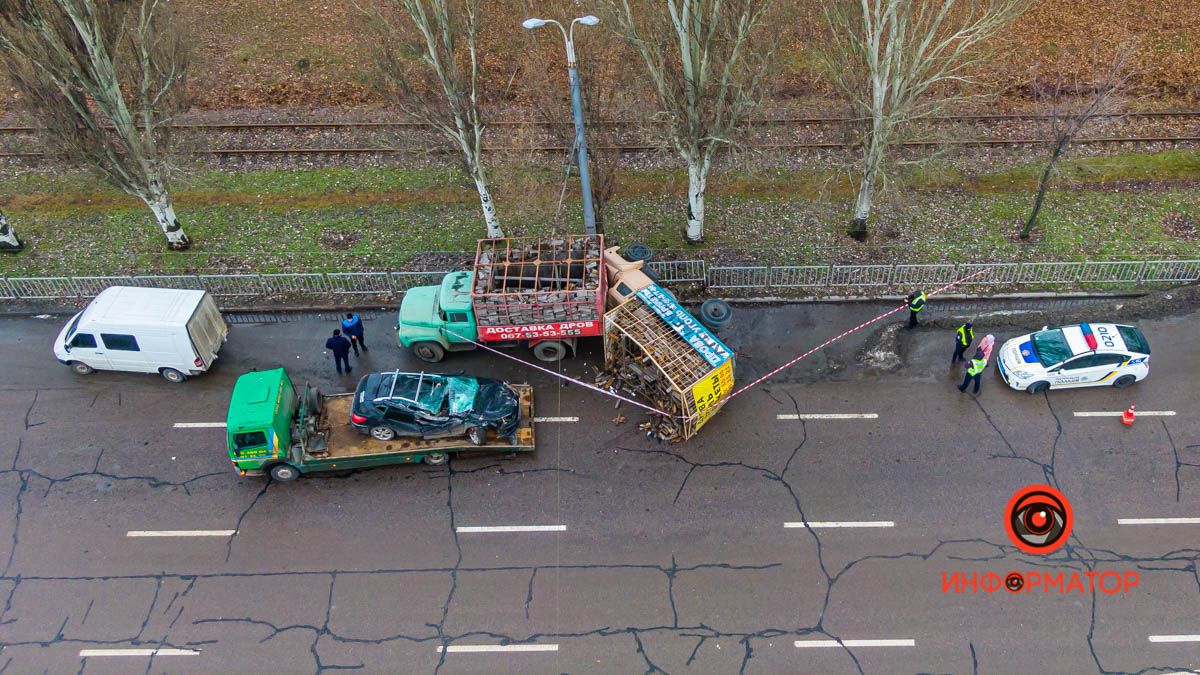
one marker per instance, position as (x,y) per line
(585,182)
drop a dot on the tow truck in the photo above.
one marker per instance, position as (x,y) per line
(273,430)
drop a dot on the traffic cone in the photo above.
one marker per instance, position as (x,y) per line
(1127,417)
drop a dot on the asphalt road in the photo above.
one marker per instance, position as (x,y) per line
(665,558)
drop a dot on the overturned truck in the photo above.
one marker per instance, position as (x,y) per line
(656,350)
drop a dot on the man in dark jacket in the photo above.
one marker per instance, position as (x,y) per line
(340,347)
(963,337)
(354,330)
(916,303)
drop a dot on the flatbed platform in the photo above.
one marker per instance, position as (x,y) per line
(343,441)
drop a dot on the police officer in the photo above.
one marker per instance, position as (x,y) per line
(353,327)
(974,371)
(916,302)
(963,337)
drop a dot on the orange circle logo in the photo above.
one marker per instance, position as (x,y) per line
(1038,519)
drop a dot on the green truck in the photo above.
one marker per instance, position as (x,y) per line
(273,430)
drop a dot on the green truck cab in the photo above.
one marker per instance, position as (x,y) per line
(271,430)
(437,319)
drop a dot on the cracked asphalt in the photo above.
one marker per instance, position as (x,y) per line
(675,558)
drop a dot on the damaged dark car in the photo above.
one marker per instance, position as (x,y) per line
(430,406)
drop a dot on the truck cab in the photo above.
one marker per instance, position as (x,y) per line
(437,319)
(259,425)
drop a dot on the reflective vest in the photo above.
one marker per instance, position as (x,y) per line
(965,335)
(977,366)
(917,303)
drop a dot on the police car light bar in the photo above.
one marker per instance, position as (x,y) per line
(1088,336)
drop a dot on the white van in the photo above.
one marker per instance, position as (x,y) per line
(173,332)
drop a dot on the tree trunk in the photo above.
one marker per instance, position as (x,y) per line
(862,206)
(1041,193)
(9,242)
(485,201)
(697,180)
(164,213)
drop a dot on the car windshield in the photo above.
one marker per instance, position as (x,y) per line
(1134,340)
(1051,347)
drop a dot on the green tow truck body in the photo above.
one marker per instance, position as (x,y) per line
(272,430)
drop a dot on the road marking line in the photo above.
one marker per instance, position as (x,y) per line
(497,648)
(556,419)
(829,416)
(1158,521)
(855,643)
(199,425)
(1149,413)
(1175,638)
(180,533)
(841,523)
(511,528)
(137,652)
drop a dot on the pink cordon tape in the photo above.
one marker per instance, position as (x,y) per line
(860,326)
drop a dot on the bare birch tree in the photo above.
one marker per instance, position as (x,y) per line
(710,63)
(1069,114)
(443,89)
(891,58)
(9,242)
(102,78)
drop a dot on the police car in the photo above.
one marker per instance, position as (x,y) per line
(1086,355)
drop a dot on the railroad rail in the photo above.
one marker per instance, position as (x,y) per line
(643,148)
(799,121)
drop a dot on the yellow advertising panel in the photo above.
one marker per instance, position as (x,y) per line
(709,392)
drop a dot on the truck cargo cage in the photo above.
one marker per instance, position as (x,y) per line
(523,282)
(646,356)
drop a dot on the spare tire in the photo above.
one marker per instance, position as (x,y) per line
(715,313)
(636,252)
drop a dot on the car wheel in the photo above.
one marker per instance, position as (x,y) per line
(477,435)
(550,351)
(80,368)
(1038,387)
(383,433)
(284,472)
(429,352)
(436,458)
(1124,381)
(172,375)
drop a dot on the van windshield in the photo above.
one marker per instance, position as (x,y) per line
(74,326)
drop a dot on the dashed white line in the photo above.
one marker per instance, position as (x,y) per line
(496,648)
(199,425)
(511,528)
(840,523)
(855,643)
(1158,521)
(1174,638)
(180,533)
(137,652)
(556,419)
(829,416)
(1145,413)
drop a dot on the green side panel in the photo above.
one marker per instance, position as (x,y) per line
(318,465)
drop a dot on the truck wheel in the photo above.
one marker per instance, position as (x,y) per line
(80,368)
(550,351)
(715,313)
(284,472)
(429,352)
(477,435)
(172,375)
(1038,387)
(436,458)
(383,433)
(1124,381)
(313,404)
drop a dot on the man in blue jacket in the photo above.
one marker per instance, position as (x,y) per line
(353,327)
(340,347)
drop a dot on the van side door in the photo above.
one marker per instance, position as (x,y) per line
(85,349)
(125,353)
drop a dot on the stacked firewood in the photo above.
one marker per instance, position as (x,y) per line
(529,281)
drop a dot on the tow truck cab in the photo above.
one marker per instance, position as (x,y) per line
(259,425)
(426,310)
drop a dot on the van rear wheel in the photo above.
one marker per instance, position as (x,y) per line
(80,368)
(284,472)
(172,375)
(429,352)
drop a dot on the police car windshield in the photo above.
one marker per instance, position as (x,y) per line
(1051,347)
